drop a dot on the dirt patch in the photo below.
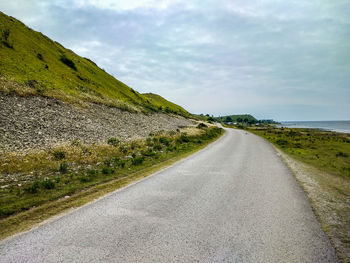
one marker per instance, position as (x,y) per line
(37,122)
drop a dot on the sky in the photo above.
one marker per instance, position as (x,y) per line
(281,59)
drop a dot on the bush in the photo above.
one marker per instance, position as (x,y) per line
(123,149)
(202,126)
(282,142)
(183,139)
(157,147)
(33,188)
(137,160)
(341,154)
(59,155)
(63,167)
(48,184)
(119,162)
(113,141)
(107,162)
(107,170)
(68,62)
(164,140)
(91,172)
(39,56)
(5,34)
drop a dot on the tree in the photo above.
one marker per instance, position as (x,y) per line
(228,119)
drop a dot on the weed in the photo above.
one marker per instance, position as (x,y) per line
(202,126)
(48,184)
(113,141)
(33,188)
(5,34)
(63,167)
(107,170)
(138,160)
(341,154)
(59,155)
(164,140)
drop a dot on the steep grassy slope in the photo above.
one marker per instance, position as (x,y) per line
(165,105)
(31,63)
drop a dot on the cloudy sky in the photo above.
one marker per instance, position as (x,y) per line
(280,59)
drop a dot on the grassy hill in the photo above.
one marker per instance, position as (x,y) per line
(33,64)
(165,105)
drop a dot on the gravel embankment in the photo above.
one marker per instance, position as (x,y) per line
(38,122)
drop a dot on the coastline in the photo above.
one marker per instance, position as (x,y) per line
(342,126)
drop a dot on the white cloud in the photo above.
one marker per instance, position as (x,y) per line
(126,5)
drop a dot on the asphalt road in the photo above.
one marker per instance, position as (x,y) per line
(234,201)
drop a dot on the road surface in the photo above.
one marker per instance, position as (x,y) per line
(234,201)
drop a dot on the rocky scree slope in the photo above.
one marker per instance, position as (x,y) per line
(36,122)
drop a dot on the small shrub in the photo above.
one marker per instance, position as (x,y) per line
(68,62)
(282,142)
(85,179)
(113,141)
(91,172)
(183,139)
(33,188)
(63,167)
(48,184)
(164,140)
(39,56)
(341,154)
(123,149)
(5,34)
(106,170)
(202,126)
(59,155)
(107,162)
(32,83)
(157,147)
(137,160)
(149,152)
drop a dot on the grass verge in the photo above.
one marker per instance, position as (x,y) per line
(84,173)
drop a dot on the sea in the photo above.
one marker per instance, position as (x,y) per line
(337,126)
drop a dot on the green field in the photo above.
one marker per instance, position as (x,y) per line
(33,64)
(329,151)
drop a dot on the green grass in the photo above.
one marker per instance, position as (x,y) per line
(165,105)
(37,179)
(41,66)
(329,151)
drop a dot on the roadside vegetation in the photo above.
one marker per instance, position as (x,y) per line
(329,151)
(33,180)
(320,161)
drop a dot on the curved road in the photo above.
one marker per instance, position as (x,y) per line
(234,201)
